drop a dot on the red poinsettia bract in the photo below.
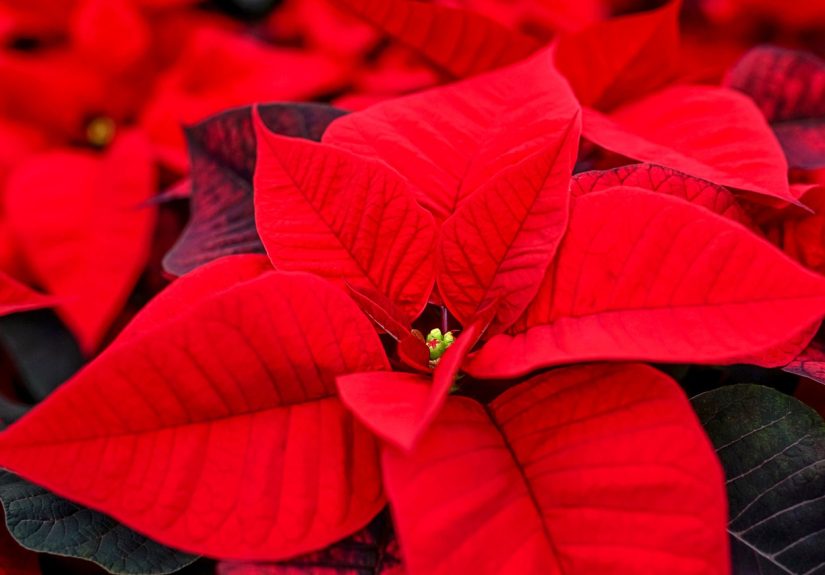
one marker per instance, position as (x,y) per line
(250,413)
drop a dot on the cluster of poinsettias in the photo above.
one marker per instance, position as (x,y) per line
(266,406)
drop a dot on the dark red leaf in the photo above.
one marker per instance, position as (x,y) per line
(460,42)
(324,210)
(619,60)
(82,230)
(647,276)
(589,469)
(789,88)
(710,133)
(660,179)
(371,551)
(222,152)
(218,431)
(810,363)
(484,126)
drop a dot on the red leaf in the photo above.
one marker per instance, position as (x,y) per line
(324,210)
(222,153)
(399,407)
(460,42)
(802,235)
(111,34)
(218,432)
(207,281)
(501,240)
(81,230)
(666,181)
(590,469)
(414,353)
(647,276)
(484,126)
(16,297)
(710,133)
(622,59)
(789,88)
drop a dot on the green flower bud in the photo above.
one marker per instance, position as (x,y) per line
(435,334)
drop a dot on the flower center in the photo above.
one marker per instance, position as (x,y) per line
(100,131)
(438,343)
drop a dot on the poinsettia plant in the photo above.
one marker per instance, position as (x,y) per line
(443,334)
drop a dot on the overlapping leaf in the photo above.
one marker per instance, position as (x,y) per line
(648,276)
(324,210)
(218,431)
(789,88)
(710,133)
(616,61)
(665,181)
(773,450)
(16,297)
(460,42)
(589,469)
(46,523)
(82,231)
(501,240)
(450,141)
(222,151)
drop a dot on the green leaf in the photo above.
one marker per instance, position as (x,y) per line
(44,522)
(772,447)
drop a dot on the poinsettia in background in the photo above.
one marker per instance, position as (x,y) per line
(387,286)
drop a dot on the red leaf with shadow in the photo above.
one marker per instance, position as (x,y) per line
(218,431)
(644,276)
(16,297)
(589,469)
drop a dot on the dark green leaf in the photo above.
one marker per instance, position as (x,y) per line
(43,350)
(46,523)
(772,447)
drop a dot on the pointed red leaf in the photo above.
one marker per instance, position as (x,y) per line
(665,181)
(414,353)
(218,432)
(710,133)
(324,210)
(647,276)
(399,407)
(616,61)
(16,297)
(810,363)
(460,42)
(484,126)
(82,230)
(501,240)
(789,88)
(590,469)
(382,311)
